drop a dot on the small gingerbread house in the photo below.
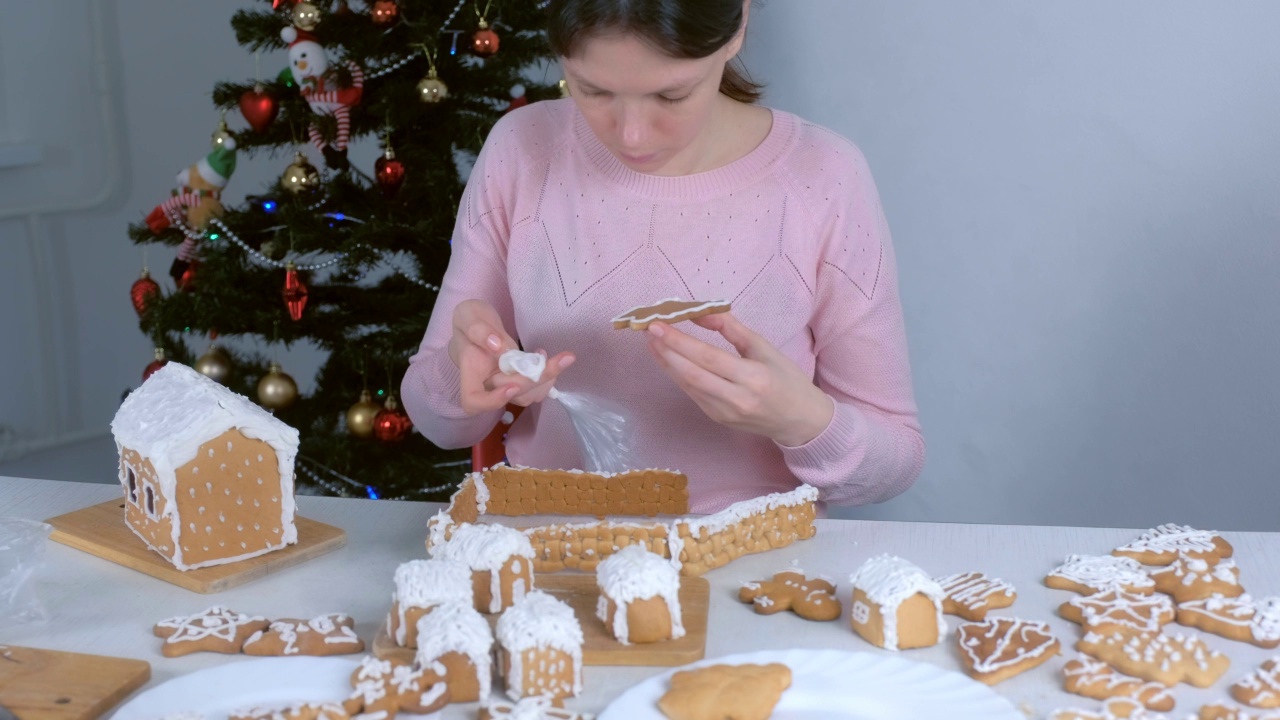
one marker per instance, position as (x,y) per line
(540,648)
(207,474)
(639,596)
(500,559)
(420,586)
(896,605)
(459,638)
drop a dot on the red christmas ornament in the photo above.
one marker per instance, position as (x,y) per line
(277,4)
(389,172)
(295,293)
(484,42)
(187,280)
(392,424)
(518,98)
(155,365)
(142,292)
(259,108)
(385,12)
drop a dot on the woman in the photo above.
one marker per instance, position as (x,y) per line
(660,177)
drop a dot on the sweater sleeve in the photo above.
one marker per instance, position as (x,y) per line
(873,448)
(477,270)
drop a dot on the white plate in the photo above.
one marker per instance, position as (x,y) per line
(839,685)
(238,685)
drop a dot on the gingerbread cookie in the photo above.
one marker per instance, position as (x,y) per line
(536,707)
(1120,610)
(1260,688)
(382,686)
(216,629)
(999,648)
(331,634)
(716,692)
(305,711)
(1114,709)
(1189,578)
(1223,711)
(970,595)
(1088,574)
(670,311)
(791,590)
(1098,680)
(1163,545)
(1239,618)
(1166,659)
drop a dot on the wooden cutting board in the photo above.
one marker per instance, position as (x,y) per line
(599,646)
(101,530)
(53,685)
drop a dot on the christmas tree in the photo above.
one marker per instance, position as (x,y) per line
(348,258)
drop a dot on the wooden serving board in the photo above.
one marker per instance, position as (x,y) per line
(101,530)
(599,647)
(53,685)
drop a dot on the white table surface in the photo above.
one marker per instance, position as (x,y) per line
(98,607)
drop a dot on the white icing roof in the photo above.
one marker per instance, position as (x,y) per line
(484,546)
(455,627)
(888,580)
(633,573)
(539,620)
(176,409)
(423,583)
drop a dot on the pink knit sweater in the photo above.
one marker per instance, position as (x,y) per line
(560,237)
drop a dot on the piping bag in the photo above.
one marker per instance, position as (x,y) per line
(600,426)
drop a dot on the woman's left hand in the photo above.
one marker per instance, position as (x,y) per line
(759,390)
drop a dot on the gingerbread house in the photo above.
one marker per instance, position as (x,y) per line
(639,596)
(207,474)
(420,586)
(540,648)
(896,605)
(500,559)
(459,638)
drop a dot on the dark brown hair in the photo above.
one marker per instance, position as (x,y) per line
(688,29)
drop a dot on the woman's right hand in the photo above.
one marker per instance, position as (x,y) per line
(479,339)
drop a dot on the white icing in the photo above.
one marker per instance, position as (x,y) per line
(1090,671)
(175,411)
(1170,538)
(530,365)
(631,316)
(1262,618)
(1016,641)
(534,707)
(455,627)
(633,573)
(214,622)
(1103,572)
(1143,613)
(1112,709)
(323,711)
(539,621)
(972,589)
(487,547)
(887,581)
(426,583)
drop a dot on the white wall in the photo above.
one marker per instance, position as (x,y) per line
(1083,197)
(1085,201)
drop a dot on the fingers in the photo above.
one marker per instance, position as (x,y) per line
(479,323)
(695,379)
(475,394)
(537,393)
(743,339)
(668,341)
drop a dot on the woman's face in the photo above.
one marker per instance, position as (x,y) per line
(652,111)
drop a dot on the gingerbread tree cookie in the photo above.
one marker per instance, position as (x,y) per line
(791,590)
(1189,578)
(1260,688)
(1119,610)
(1239,618)
(1088,574)
(670,311)
(996,649)
(1163,545)
(972,594)
(331,634)
(1114,709)
(215,629)
(1095,679)
(1166,659)
(715,692)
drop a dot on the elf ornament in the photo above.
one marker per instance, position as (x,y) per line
(144,290)
(309,67)
(361,415)
(276,390)
(392,423)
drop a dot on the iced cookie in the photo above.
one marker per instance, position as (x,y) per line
(1117,609)
(972,594)
(304,711)
(324,635)
(1260,688)
(998,648)
(1114,709)
(1239,618)
(791,590)
(1223,711)
(216,629)
(670,311)
(1163,545)
(1098,680)
(1166,659)
(1088,574)
(716,692)
(381,686)
(1188,579)
(536,707)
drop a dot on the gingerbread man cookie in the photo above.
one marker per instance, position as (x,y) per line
(999,648)
(324,635)
(1166,659)
(1189,578)
(1088,574)
(215,629)
(791,590)
(1098,680)
(972,594)
(305,711)
(1260,688)
(1114,709)
(383,686)
(1121,610)
(716,692)
(1239,618)
(670,311)
(1163,545)
(1223,711)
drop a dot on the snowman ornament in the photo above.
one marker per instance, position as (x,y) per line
(317,82)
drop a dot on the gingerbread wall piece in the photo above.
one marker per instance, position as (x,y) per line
(1166,659)
(420,586)
(1261,687)
(1095,679)
(639,596)
(458,637)
(207,475)
(1118,609)
(535,707)
(670,311)
(1241,618)
(790,590)
(331,634)
(716,692)
(1162,545)
(1088,574)
(302,711)
(382,689)
(1114,709)
(896,605)
(1188,578)
(998,648)
(1223,711)
(541,648)
(216,629)
(972,594)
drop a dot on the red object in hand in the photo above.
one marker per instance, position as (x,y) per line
(295,293)
(259,108)
(143,290)
(390,174)
(392,423)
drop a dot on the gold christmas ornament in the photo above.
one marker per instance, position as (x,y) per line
(432,89)
(276,390)
(301,176)
(305,16)
(564,88)
(222,136)
(360,416)
(215,365)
